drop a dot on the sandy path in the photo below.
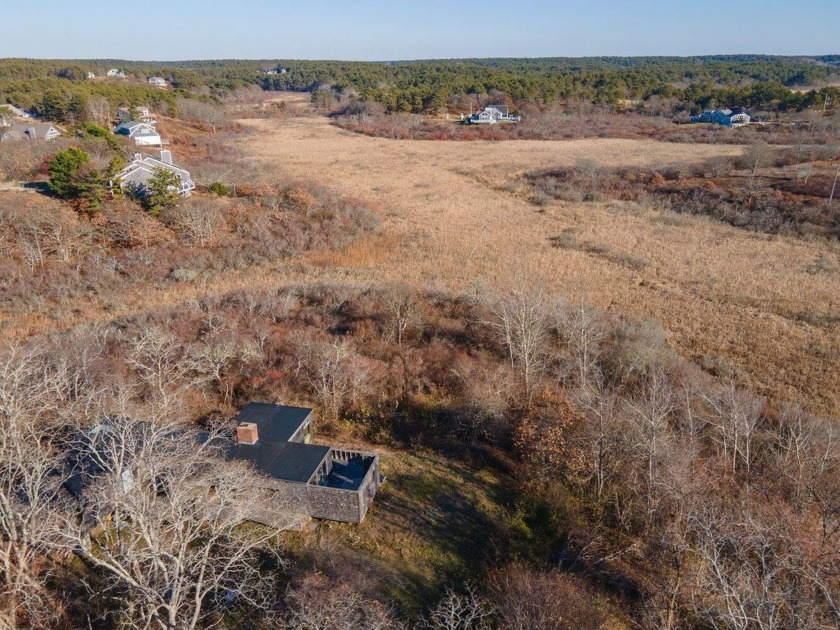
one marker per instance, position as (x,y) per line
(752,299)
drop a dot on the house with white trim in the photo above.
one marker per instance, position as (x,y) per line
(491,115)
(158,81)
(143,167)
(736,117)
(31,131)
(143,133)
(115,73)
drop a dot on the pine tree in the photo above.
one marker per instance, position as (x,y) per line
(63,168)
(161,191)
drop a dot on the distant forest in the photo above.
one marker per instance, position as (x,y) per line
(56,87)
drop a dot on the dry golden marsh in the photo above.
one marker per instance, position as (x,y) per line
(767,307)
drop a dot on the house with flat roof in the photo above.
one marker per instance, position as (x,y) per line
(321,481)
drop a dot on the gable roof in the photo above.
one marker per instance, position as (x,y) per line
(133,127)
(15,111)
(32,130)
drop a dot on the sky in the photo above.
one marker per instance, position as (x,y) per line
(399,29)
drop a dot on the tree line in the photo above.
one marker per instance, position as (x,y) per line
(424,86)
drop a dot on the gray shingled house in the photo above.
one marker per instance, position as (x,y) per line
(320,481)
(143,167)
(31,131)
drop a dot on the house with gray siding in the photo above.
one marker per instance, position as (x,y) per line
(12,112)
(140,113)
(321,481)
(30,131)
(143,167)
(736,117)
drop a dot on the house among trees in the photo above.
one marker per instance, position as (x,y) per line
(134,113)
(158,81)
(7,109)
(728,117)
(115,73)
(91,75)
(143,167)
(491,115)
(143,133)
(31,131)
(321,481)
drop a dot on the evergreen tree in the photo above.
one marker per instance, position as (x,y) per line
(161,191)
(63,168)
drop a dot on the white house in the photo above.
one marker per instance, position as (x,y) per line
(32,131)
(115,72)
(158,81)
(142,133)
(492,115)
(141,169)
(91,75)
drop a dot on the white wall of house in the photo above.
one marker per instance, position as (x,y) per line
(147,139)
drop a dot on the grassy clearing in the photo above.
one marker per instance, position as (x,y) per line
(432,524)
(752,301)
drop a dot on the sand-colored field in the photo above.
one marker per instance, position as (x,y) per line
(769,305)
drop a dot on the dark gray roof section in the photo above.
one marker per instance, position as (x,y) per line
(275,423)
(291,461)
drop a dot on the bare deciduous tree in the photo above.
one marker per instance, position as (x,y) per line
(460,611)
(198,221)
(403,311)
(737,417)
(319,603)
(332,370)
(168,509)
(521,322)
(649,414)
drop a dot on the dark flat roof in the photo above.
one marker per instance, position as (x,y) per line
(290,461)
(275,423)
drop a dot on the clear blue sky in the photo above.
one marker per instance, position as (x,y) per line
(400,29)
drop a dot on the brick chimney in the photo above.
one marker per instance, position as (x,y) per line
(246,433)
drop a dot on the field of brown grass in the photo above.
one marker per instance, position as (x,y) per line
(765,308)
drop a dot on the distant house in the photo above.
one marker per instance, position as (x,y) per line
(91,75)
(115,72)
(143,167)
(30,131)
(158,81)
(728,117)
(143,133)
(321,481)
(134,113)
(14,112)
(492,115)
